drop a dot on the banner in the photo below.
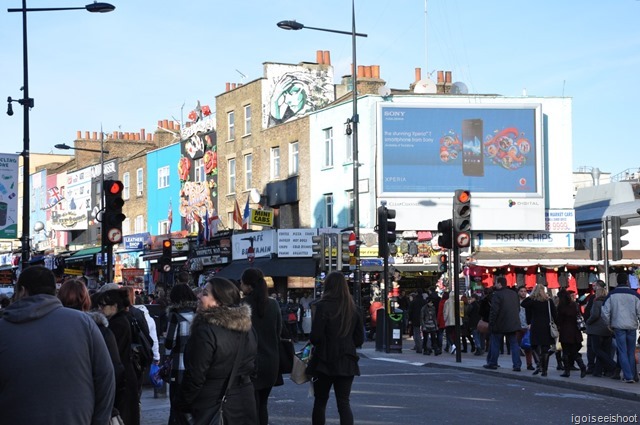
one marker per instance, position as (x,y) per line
(8,196)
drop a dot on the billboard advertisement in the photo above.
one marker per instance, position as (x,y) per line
(8,196)
(492,150)
(495,150)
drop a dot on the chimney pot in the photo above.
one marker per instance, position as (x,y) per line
(142,134)
(319,57)
(418,74)
(375,71)
(233,86)
(165,123)
(86,135)
(447,77)
(228,86)
(441,77)
(360,71)
(367,72)
(78,135)
(94,135)
(170,125)
(326,59)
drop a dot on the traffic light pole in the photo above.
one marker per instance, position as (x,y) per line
(605,245)
(387,308)
(456,298)
(109,267)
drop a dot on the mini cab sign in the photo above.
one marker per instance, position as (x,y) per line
(262,218)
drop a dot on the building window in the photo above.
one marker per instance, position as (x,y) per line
(275,162)
(231,173)
(352,207)
(231,125)
(163,177)
(247,120)
(294,165)
(126,182)
(139,224)
(126,227)
(328,209)
(199,175)
(248,171)
(349,148)
(139,182)
(328,147)
(230,222)
(163,227)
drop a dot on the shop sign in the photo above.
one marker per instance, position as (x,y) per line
(295,242)
(73,272)
(180,245)
(261,218)
(133,277)
(524,239)
(263,244)
(560,221)
(136,242)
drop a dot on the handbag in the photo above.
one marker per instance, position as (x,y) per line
(286,353)
(582,326)
(553,329)
(483,327)
(301,360)
(526,340)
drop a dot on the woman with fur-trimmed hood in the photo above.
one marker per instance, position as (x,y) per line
(221,327)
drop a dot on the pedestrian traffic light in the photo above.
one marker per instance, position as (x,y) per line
(617,232)
(462,218)
(344,254)
(112,216)
(165,259)
(443,262)
(445,240)
(318,249)
(386,230)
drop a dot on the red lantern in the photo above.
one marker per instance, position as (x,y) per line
(206,111)
(193,115)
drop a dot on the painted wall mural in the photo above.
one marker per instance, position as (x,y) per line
(292,91)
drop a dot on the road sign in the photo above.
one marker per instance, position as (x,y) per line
(352,242)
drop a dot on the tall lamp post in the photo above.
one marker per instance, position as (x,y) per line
(293,25)
(102,151)
(28,103)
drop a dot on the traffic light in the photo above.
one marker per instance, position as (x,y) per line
(112,217)
(462,218)
(344,254)
(318,249)
(445,227)
(386,230)
(617,232)
(165,260)
(443,262)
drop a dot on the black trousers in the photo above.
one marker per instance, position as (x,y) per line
(341,388)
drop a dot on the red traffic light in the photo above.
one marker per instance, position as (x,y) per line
(463,196)
(113,187)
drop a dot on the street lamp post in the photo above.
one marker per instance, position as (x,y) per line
(293,25)
(27,103)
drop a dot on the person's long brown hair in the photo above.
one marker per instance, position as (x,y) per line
(336,289)
(74,294)
(254,278)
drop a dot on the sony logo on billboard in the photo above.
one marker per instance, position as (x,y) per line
(393,114)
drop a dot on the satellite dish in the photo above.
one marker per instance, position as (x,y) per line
(255,196)
(459,88)
(384,91)
(38,226)
(425,87)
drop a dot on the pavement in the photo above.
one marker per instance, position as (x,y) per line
(472,363)
(155,404)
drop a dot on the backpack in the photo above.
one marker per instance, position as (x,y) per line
(141,343)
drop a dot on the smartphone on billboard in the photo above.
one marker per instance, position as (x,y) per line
(472,159)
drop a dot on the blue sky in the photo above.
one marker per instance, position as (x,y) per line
(128,69)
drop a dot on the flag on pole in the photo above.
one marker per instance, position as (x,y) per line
(170,217)
(206,225)
(213,224)
(237,216)
(246,215)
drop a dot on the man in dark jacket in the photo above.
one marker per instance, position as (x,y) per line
(504,321)
(415,307)
(50,355)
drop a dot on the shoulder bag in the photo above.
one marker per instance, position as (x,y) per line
(582,326)
(483,327)
(553,329)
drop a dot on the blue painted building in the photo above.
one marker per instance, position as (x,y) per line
(163,194)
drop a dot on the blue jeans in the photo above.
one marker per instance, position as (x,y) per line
(494,352)
(478,339)
(417,338)
(626,345)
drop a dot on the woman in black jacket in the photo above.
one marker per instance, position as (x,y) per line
(336,331)
(267,323)
(221,329)
(570,335)
(540,311)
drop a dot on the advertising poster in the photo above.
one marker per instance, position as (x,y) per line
(8,196)
(494,151)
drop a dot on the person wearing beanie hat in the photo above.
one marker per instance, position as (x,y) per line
(621,312)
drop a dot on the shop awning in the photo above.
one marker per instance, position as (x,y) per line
(273,267)
(82,255)
(413,267)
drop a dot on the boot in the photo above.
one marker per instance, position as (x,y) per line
(583,368)
(559,360)
(567,366)
(544,363)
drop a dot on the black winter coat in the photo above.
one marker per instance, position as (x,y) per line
(268,329)
(127,395)
(216,336)
(335,355)
(415,307)
(568,324)
(505,312)
(473,314)
(595,323)
(538,318)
